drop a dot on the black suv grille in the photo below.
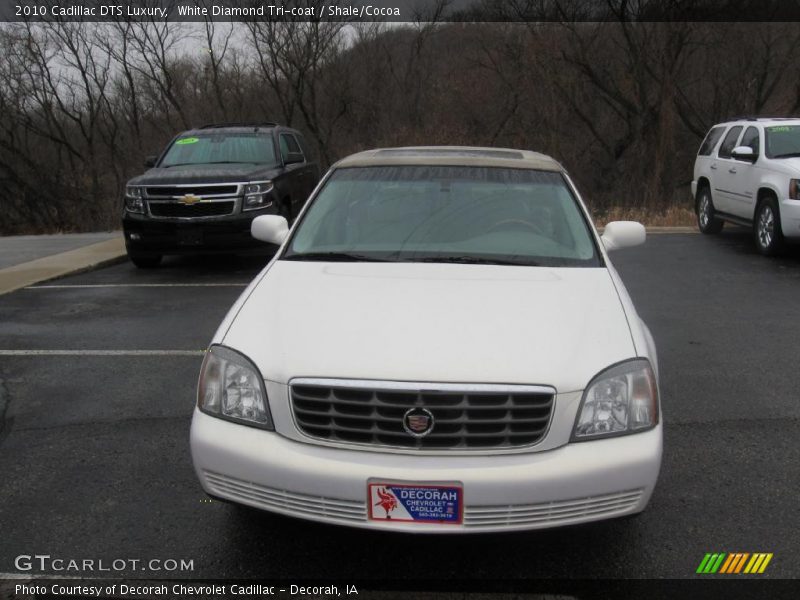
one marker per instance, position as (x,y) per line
(200,209)
(199,190)
(472,418)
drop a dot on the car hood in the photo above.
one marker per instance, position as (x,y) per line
(790,165)
(204,174)
(433,322)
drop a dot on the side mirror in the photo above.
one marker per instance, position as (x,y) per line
(623,234)
(744,153)
(272,229)
(293,157)
(150,161)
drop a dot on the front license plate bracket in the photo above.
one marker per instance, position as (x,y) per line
(415,502)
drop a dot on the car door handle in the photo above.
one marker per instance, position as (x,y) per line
(713,167)
(732,170)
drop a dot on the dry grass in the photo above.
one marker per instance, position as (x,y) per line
(675,216)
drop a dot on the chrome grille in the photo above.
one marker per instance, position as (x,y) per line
(200,209)
(230,189)
(465,416)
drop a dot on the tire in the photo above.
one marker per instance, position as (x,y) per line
(149,261)
(767,228)
(707,222)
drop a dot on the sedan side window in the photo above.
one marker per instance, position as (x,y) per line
(751,140)
(729,143)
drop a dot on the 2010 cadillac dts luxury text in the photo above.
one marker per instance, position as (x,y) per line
(440,344)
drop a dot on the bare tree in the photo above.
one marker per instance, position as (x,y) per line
(295,59)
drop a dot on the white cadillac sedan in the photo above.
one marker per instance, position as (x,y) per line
(440,344)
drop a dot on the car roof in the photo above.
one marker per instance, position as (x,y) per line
(238,128)
(743,120)
(470,156)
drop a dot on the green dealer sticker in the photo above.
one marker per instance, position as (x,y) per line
(185,141)
(779,129)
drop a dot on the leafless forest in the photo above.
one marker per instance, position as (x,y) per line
(623,105)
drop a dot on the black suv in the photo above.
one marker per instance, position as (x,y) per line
(206,187)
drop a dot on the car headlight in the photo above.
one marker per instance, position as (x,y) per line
(794,189)
(231,387)
(622,399)
(133,199)
(256,195)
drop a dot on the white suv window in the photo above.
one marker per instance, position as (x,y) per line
(782,141)
(751,139)
(707,147)
(729,143)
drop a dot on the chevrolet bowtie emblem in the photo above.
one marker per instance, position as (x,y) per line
(190,199)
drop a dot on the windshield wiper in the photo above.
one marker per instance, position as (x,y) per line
(471,260)
(334,257)
(787,155)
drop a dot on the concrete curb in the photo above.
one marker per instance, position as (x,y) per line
(692,229)
(59,265)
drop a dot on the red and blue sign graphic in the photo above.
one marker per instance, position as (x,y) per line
(402,502)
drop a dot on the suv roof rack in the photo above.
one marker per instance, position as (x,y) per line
(223,125)
(757,118)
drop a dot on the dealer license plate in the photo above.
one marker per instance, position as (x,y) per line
(406,502)
(190,237)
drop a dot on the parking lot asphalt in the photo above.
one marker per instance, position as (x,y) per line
(97,383)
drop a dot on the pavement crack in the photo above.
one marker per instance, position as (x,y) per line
(733,421)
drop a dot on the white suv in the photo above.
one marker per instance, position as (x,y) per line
(440,344)
(747,172)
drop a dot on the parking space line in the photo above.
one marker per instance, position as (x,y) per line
(144,285)
(102,352)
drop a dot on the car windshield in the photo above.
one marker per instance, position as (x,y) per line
(220,148)
(783,141)
(445,214)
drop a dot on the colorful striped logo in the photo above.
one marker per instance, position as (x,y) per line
(734,562)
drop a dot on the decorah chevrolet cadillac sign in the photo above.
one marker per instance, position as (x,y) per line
(422,504)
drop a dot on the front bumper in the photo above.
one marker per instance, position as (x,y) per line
(790,218)
(148,235)
(576,483)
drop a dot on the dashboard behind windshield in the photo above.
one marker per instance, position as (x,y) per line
(220,148)
(445,214)
(782,141)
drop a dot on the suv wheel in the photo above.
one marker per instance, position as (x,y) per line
(706,221)
(767,228)
(149,261)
